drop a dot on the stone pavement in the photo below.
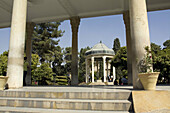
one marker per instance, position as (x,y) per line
(70,94)
(84,88)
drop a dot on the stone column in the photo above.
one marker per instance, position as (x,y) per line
(92,62)
(87,76)
(114,74)
(126,18)
(139,36)
(104,68)
(29,31)
(16,45)
(75,21)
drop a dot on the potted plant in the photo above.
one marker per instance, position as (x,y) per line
(3,80)
(3,69)
(146,75)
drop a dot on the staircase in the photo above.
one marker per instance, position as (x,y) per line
(65,102)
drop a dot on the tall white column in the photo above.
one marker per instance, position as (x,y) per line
(139,36)
(75,22)
(17,43)
(87,76)
(104,68)
(92,62)
(29,31)
(126,18)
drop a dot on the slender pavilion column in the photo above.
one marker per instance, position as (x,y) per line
(104,68)
(126,18)
(87,76)
(139,36)
(97,63)
(75,22)
(17,43)
(92,62)
(29,31)
(107,72)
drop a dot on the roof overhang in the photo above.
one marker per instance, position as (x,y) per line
(52,10)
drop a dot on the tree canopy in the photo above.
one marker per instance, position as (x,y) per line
(45,40)
(116,45)
(3,63)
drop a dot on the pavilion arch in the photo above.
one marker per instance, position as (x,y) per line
(135,18)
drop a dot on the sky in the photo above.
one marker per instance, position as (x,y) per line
(105,29)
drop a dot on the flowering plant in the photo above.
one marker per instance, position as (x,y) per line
(145,65)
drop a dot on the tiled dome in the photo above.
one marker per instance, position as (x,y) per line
(100,48)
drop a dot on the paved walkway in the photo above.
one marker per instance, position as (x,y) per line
(83,88)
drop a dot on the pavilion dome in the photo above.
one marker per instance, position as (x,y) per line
(100,49)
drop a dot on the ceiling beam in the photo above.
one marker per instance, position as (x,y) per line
(68,7)
(5,6)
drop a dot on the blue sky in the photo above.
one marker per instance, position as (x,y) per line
(105,29)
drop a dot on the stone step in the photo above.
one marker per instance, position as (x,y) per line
(39,110)
(72,104)
(68,95)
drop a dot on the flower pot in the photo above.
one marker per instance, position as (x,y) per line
(149,80)
(3,80)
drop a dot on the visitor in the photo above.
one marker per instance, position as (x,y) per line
(124,81)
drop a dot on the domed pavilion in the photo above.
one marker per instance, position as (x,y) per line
(98,63)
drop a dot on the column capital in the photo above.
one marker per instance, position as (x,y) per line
(92,58)
(104,57)
(30,24)
(75,22)
(126,17)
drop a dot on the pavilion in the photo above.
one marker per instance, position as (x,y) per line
(99,52)
(22,15)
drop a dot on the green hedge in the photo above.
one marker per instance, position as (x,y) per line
(61,80)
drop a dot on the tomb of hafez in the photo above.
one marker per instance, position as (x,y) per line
(98,54)
(22,15)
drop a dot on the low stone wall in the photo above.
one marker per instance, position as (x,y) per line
(151,101)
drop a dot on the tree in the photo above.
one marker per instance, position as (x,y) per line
(34,65)
(155,48)
(161,61)
(82,64)
(67,59)
(45,40)
(45,44)
(3,63)
(116,45)
(43,74)
(58,68)
(162,64)
(120,62)
(167,44)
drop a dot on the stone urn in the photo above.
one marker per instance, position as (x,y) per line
(149,80)
(3,80)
